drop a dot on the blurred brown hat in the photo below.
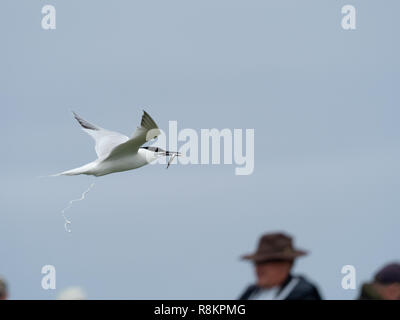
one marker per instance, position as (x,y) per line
(275,246)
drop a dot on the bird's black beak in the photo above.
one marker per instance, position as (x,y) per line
(172,153)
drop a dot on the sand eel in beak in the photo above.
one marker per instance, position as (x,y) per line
(160,152)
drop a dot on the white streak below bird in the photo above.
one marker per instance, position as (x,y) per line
(116,152)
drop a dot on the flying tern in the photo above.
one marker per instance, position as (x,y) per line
(116,152)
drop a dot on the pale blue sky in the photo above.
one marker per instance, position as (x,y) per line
(323,103)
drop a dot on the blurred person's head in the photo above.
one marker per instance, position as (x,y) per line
(274,259)
(272,273)
(387,282)
(72,293)
(3,289)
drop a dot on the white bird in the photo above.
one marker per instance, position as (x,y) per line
(116,152)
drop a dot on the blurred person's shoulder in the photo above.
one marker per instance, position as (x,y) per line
(304,289)
(368,292)
(249,291)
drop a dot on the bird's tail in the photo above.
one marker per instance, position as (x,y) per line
(85,169)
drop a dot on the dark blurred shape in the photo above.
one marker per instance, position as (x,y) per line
(389,274)
(273,261)
(3,289)
(385,286)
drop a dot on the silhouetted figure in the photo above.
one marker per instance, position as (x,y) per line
(385,286)
(3,289)
(273,263)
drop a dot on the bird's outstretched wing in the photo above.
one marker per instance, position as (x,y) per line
(148,130)
(105,140)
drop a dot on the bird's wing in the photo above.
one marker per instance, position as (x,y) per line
(105,140)
(148,130)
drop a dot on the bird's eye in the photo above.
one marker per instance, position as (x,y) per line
(156,149)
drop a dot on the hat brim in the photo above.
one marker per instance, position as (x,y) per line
(260,257)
